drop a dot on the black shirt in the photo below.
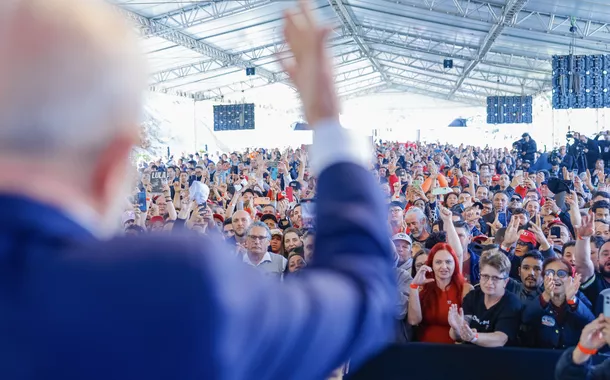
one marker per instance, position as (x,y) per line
(591,290)
(504,316)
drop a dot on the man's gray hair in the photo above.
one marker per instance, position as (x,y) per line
(418,213)
(71,89)
(259,225)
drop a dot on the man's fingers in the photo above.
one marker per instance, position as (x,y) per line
(307,14)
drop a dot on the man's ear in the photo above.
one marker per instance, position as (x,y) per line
(110,172)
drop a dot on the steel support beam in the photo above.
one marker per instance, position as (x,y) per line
(198,13)
(191,43)
(365,91)
(410,89)
(453,49)
(513,7)
(349,24)
(429,70)
(416,61)
(542,23)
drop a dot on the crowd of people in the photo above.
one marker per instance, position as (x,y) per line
(488,251)
(474,246)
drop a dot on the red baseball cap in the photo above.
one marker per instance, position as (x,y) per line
(528,237)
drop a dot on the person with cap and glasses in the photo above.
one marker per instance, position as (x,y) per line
(166,306)
(402,243)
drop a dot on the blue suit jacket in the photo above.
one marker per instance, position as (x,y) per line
(179,307)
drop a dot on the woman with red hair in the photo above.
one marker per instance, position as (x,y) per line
(436,286)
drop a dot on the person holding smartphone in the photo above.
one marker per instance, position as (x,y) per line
(576,363)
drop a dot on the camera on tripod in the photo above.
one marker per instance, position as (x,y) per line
(577,146)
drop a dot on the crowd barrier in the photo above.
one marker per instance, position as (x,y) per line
(419,361)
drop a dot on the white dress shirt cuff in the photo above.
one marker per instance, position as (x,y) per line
(333,144)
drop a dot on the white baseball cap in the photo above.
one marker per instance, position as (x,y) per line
(403,237)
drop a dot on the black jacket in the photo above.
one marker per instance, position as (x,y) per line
(567,370)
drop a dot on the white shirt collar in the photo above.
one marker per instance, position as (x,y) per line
(266,257)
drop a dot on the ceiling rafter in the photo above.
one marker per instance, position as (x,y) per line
(453,49)
(191,43)
(199,13)
(365,91)
(542,23)
(349,24)
(410,89)
(513,7)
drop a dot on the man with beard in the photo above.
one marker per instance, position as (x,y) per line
(595,283)
(417,224)
(530,273)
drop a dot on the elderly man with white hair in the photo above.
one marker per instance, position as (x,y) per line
(78,304)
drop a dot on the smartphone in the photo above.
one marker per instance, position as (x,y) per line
(417,183)
(556,231)
(308,213)
(244,182)
(262,201)
(606,300)
(518,173)
(289,194)
(142,200)
(502,219)
(274,173)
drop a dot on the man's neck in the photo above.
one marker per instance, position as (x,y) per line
(424,236)
(255,258)
(240,239)
(51,189)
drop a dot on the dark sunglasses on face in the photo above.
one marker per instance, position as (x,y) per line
(561,273)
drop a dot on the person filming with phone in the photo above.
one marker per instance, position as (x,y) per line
(576,363)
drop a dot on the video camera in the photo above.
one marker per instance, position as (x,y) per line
(518,146)
(554,158)
(577,146)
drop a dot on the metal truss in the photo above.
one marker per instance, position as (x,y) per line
(488,89)
(365,91)
(354,86)
(348,23)
(435,68)
(191,43)
(442,88)
(411,89)
(341,60)
(201,67)
(199,13)
(279,47)
(454,49)
(512,8)
(535,22)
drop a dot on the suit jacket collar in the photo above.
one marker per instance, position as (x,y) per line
(22,215)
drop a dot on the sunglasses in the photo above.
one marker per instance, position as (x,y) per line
(561,273)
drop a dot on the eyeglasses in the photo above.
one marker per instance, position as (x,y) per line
(494,279)
(561,273)
(255,237)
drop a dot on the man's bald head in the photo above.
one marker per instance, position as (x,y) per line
(71,88)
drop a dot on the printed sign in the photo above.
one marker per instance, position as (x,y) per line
(157,181)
